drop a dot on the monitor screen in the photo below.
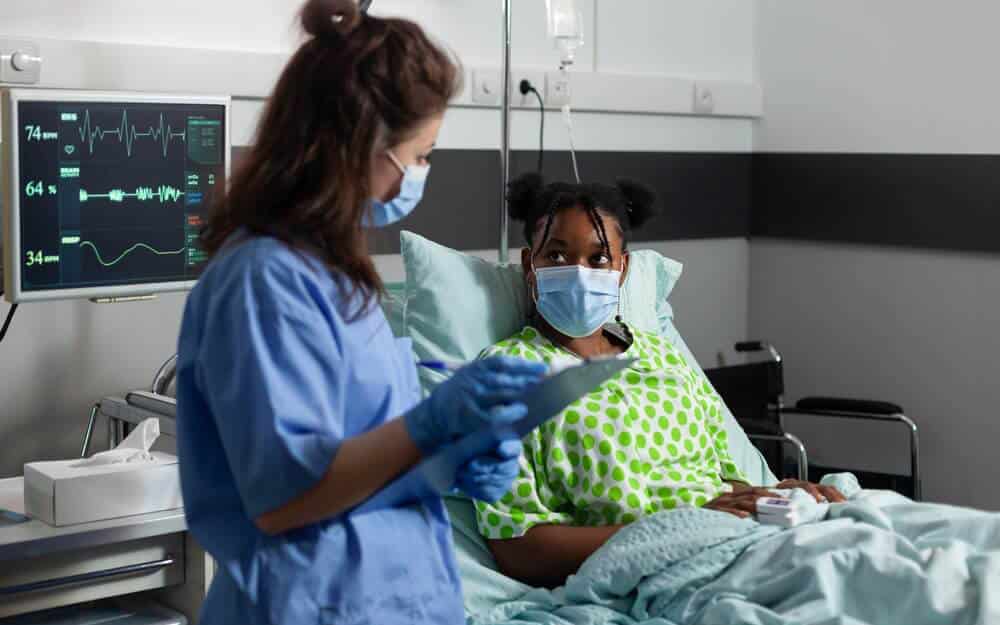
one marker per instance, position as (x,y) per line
(108,193)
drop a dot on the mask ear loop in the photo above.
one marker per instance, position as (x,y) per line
(395,161)
(618,317)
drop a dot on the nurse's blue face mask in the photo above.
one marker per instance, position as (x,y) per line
(411,191)
(576,300)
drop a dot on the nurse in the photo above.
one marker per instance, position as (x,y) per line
(295,471)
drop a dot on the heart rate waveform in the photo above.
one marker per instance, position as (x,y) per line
(127,133)
(164,193)
(100,259)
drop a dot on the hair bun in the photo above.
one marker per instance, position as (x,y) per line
(522,196)
(325,18)
(640,201)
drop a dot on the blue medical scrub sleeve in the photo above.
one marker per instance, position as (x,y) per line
(274,379)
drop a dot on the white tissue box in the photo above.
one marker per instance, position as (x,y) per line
(60,494)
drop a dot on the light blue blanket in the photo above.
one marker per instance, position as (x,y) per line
(879,559)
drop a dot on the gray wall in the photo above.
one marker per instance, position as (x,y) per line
(915,326)
(60,357)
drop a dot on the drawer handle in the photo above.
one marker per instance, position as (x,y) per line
(87,577)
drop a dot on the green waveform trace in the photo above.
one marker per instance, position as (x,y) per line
(128,133)
(164,193)
(101,260)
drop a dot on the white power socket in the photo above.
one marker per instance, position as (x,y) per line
(486,86)
(557,92)
(704,99)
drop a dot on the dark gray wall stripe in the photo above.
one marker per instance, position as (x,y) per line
(701,194)
(944,201)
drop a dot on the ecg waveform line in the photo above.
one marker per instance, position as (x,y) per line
(164,193)
(105,263)
(127,133)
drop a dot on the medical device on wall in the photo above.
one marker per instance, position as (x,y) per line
(104,194)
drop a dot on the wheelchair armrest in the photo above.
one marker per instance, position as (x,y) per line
(788,439)
(851,409)
(840,404)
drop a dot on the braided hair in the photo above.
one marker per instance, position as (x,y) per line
(530,200)
(629,203)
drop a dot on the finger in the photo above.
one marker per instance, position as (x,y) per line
(503,415)
(509,449)
(832,494)
(812,490)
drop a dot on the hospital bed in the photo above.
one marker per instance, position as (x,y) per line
(453,305)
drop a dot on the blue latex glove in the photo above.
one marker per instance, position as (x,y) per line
(479,394)
(479,464)
(488,478)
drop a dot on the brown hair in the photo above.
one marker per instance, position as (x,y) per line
(358,86)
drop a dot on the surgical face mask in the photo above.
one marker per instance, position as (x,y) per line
(411,191)
(576,300)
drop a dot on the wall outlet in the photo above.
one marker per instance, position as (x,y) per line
(20,62)
(486,86)
(537,80)
(556,89)
(704,99)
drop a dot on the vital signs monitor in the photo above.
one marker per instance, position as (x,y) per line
(104,194)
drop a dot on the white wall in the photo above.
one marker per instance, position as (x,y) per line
(914,326)
(60,357)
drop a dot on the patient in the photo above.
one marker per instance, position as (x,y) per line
(650,439)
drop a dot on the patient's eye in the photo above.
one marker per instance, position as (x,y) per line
(599,260)
(424,159)
(556,257)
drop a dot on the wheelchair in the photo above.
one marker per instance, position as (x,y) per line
(754,393)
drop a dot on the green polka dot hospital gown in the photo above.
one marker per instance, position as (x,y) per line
(652,438)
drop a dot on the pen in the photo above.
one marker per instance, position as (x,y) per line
(441,365)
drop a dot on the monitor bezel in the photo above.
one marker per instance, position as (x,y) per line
(9,140)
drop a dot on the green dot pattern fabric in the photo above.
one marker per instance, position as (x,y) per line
(650,439)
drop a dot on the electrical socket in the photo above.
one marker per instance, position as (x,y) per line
(20,61)
(704,99)
(528,100)
(557,92)
(486,86)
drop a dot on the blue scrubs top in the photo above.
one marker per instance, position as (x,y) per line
(273,374)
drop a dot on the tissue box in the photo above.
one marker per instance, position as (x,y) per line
(61,494)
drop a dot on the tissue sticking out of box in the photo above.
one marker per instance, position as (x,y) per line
(134,449)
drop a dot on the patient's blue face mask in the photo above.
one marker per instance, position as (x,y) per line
(576,300)
(411,191)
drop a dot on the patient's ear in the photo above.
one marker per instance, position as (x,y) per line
(529,276)
(625,265)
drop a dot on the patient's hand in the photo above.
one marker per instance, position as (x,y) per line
(818,491)
(742,503)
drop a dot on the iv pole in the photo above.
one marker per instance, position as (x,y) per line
(505,133)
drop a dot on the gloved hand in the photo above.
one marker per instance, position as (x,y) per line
(482,393)
(488,478)
(482,465)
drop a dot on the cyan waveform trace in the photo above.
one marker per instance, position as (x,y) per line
(127,133)
(164,193)
(121,256)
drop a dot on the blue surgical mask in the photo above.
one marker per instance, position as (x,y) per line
(411,191)
(576,300)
